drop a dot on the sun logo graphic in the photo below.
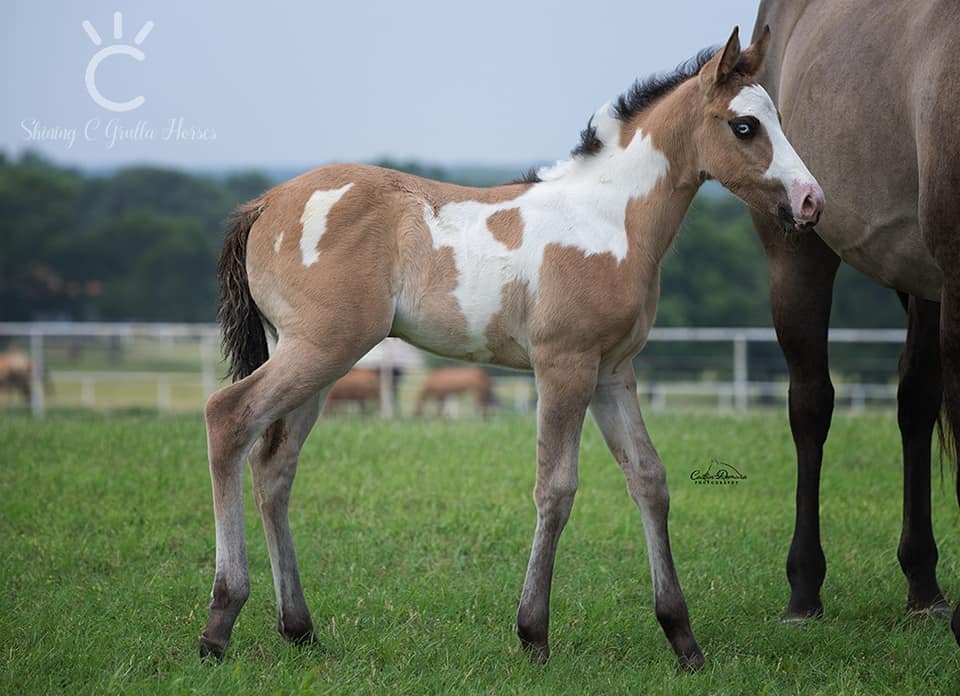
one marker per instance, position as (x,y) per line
(114,49)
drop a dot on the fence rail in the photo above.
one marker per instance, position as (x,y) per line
(736,393)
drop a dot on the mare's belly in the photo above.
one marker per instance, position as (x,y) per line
(890,252)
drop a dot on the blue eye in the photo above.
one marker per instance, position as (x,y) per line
(744,128)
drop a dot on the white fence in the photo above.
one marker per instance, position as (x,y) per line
(736,393)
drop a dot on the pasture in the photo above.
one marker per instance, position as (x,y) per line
(412,540)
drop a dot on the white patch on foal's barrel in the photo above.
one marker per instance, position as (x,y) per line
(314,221)
(581,203)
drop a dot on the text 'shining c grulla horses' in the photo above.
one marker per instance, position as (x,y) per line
(558,273)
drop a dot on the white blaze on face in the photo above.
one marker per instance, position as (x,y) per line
(785,165)
(314,221)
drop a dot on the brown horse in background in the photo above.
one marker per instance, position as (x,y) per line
(16,373)
(446,382)
(359,386)
(869,92)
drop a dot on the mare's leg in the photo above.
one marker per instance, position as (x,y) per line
(237,416)
(950,355)
(802,270)
(617,412)
(918,403)
(273,465)
(565,384)
(939,212)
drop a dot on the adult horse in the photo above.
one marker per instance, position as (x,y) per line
(886,147)
(558,273)
(445,382)
(359,386)
(15,369)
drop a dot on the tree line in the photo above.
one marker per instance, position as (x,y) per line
(141,244)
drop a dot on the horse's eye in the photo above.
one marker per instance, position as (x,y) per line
(744,128)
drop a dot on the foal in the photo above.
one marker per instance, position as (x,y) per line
(558,273)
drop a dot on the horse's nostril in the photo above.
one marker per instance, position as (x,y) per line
(809,206)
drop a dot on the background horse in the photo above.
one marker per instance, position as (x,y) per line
(884,142)
(360,386)
(16,375)
(559,273)
(457,381)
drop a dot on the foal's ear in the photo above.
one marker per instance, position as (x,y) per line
(722,65)
(752,58)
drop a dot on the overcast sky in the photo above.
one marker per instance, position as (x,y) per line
(303,83)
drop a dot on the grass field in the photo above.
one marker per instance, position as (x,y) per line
(413,539)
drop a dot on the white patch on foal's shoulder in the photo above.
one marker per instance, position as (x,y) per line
(314,221)
(580,204)
(277,243)
(785,165)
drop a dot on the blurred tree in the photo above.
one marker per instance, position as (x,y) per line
(142,243)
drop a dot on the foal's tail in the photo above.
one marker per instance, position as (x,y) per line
(244,340)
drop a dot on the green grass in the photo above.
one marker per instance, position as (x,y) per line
(413,539)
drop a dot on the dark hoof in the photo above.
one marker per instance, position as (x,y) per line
(691,662)
(210,650)
(538,653)
(298,633)
(955,625)
(796,616)
(307,637)
(936,608)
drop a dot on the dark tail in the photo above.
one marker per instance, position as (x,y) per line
(948,434)
(243,337)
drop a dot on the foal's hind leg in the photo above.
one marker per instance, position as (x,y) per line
(617,412)
(918,403)
(237,416)
(273,464)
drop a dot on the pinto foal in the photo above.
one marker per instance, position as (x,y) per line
(559,274)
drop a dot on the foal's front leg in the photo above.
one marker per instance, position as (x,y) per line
(564,385)
(617,412)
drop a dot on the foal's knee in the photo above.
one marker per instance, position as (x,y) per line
(555,497)
(648,487)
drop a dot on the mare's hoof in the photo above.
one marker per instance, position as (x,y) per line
(799,616)
(955,625)
(538,653)
(938,609)
(210,650)
(691,662)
